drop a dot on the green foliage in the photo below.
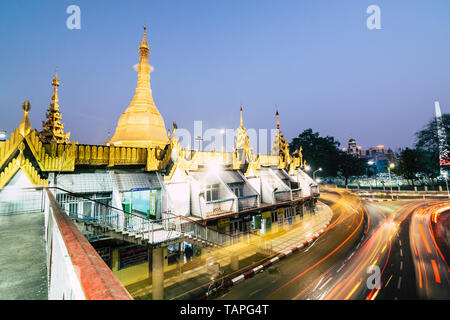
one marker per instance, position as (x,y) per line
(409,164)
(427,143)
(319,152)
(349,166)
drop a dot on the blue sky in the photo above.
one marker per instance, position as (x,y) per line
(315,59)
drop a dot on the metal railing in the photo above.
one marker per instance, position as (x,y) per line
(215,207)
(296,193)
(171,227)
(21,200)
(83,208)
(247,202)
(282,195)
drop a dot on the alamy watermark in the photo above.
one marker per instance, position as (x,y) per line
(374,280)
(225,139)
(374,20)
(74,20)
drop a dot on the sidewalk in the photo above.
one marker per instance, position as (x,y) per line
(251,250)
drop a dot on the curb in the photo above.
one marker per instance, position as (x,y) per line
(250,273)
(378,200)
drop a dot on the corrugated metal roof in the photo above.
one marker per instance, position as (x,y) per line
(204,177)
(86,182)
(230,176)
(129,181)
(281,174)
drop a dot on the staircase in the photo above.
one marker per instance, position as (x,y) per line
(109,222)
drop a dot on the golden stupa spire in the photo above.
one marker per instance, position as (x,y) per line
(278,119)
(242,122)
(52,131)
(141,125)
(242,141)
(25,125)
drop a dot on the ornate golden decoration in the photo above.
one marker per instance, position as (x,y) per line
(53,129)
(20,162)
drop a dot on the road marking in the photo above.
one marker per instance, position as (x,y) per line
(401,252)
(400,241)
(399,282)
(401,265)
(321,287)
(254,292)
(388,281)
(353,290)
(318,283)
(340,268)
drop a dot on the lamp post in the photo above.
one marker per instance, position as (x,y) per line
(445,175)
(314,173)
(391,166)
(370,163)
(199,139)
(446,182)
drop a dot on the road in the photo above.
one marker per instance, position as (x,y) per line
(388,253)
(291,276)
(430,266)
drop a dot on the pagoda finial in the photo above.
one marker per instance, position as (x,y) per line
(52,131)
(278,119)
(144,49)
(242,121)
(55,84)
(25,125)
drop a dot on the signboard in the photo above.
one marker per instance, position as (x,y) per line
(222,223)
(132,256)
(152,205)
(280,215)
(266,215)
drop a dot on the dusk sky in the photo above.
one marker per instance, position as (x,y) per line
(316,60)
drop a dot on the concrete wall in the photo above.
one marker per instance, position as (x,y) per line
(75,270)
(179,194)
(62,277)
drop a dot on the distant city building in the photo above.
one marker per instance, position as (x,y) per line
(378,154)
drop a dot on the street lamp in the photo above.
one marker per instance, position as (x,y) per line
(370,163)
(314,173)
(307,168)
(391,166)
(445,175)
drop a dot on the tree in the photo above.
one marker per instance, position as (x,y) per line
(427,142)
(349,166)
(319,152)
(409,164)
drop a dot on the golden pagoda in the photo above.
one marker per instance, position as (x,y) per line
(141,125)
(279,146)
(52,131)
(242,141)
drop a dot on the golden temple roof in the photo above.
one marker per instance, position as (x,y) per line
(52,131)
(141,125)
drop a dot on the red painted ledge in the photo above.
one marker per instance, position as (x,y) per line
(97,279)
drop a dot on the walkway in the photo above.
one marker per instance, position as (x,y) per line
(23,269)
